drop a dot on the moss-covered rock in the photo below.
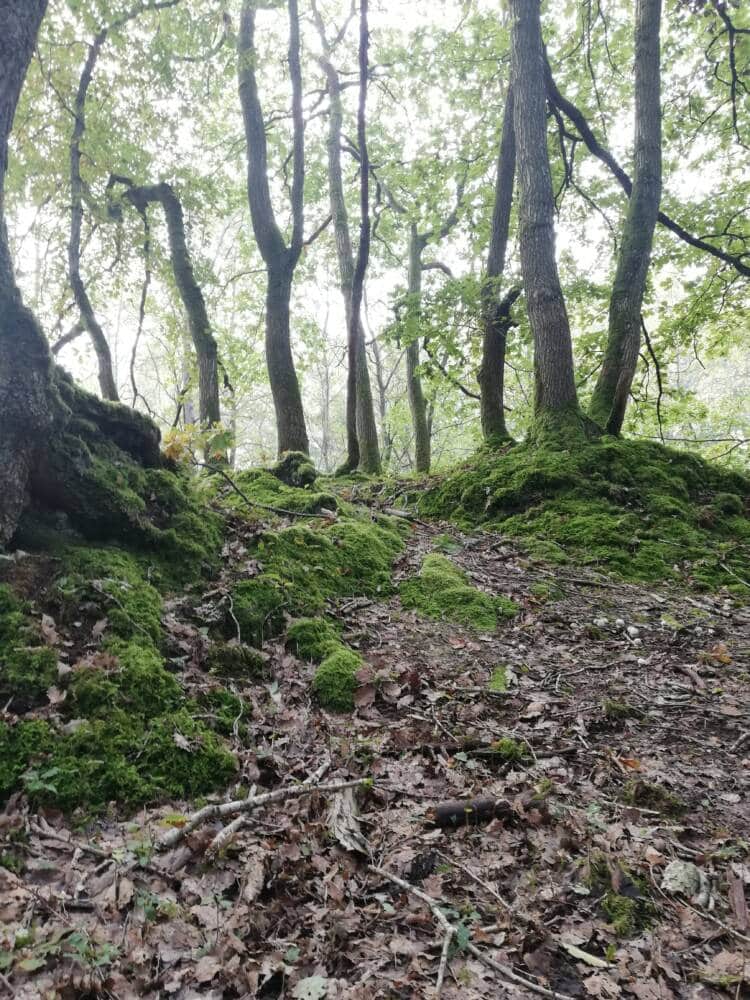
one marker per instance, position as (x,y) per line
(442,591)
(634,508)
(313,638)
(294,468)
(335,680)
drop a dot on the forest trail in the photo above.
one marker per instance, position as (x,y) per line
(613,720)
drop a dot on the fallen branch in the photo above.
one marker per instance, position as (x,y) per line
(469,812)
(219,471)
(513,977)
(219,810)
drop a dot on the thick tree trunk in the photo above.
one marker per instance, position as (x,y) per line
(555,391)
(199,325)
(26,416)
(107,383)
(496,312)
(280,259)
(610,397)
(49,429)
(417,401)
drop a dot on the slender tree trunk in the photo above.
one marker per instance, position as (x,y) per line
(417,401)
(107,383)
(199,325)
(287,401)
(280,259)
(25,365)
(496,319)
(556,401)
(365,424)
(610,397)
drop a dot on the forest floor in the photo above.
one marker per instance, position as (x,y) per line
(611,723)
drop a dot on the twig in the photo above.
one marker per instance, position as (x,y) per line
(732,573)
(448,928)
(254,503)
(508,973)
(224,836)
(6,983)
(467,871)
(719,923)
(221,809)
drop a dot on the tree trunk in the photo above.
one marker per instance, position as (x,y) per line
(556,402)
(287,401)
(365,424)
(280,259)
(417,402)
(199,325)
(610,397)
(25,364)
(496,318)
(107,383)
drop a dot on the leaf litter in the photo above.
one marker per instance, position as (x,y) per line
(607,726)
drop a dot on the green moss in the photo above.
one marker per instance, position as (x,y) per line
(619,711)
(335,680)
(647,795)
(441,591)
(313,638)
(729,503)
(509,750)
(634,508)
(20,746)
(133,680)
(115,581)
(303,566)
(226,712)
(234,660)
(294,468)
(628,916)
(499,680)
(263,487)
(446,544)
(27,667)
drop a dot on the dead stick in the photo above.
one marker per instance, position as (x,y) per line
(508,973)
(448,929)
(222,809)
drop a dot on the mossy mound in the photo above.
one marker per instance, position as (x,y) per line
(264,488)
(637,509)
(294,468)
(442,591)
(313,638)
(303,566)
(335,680)
(127,734)
(228,659)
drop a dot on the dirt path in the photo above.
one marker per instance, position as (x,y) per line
(625,729)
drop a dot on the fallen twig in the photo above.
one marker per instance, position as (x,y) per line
(508,973)
(254,503)
(449,931)
(220,809)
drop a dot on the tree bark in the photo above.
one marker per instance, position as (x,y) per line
(417,401)
(107,383)
(26,415)
(280,259)
(199,325)
(364,424)
(496,312)
(555,390)
(610,398)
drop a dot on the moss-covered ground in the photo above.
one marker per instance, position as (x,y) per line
(442,591)
(636,509)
